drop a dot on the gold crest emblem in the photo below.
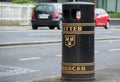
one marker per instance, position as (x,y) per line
(69,40)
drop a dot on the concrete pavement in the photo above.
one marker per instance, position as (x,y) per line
(30,28)
(4,28)
(27,41)
(115,21)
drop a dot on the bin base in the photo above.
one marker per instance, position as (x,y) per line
(77,79)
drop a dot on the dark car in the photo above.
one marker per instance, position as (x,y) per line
(47,14)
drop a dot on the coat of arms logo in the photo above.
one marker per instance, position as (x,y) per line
(69,40)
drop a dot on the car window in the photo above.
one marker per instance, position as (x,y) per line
(103,12)
(97,12)
(44,8)
(100,12)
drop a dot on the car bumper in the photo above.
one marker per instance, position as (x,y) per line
(37,22)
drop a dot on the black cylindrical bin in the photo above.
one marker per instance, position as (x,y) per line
(78,41)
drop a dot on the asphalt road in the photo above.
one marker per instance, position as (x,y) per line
(24,63)
(27,63)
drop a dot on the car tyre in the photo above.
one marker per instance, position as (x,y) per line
(60,25)
(34,27)
(107,25)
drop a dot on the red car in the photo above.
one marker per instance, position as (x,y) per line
(102,18)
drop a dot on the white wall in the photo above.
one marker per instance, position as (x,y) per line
(15,12)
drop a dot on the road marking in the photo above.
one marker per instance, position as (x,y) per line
(58,55)
(114,49)
(33,34)
(96,52)
(11,71)
(32,58)
(115,40)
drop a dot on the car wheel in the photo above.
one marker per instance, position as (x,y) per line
(51,27)
(34,27)
(107,25)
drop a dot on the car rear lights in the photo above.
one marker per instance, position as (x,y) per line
(55,14)
(33,15)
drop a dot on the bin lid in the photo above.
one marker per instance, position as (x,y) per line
(80,3)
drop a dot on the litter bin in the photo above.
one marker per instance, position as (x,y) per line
(78,41)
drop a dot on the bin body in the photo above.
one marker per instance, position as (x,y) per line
(78,41)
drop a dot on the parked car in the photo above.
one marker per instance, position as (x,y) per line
(47,14)
(102,18)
